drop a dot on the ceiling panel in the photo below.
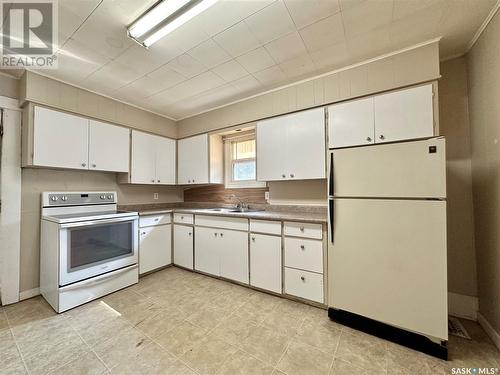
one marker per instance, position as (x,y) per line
(241,47)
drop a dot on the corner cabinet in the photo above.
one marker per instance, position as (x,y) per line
(62,140)
(200,160)
(394,116)
(292,147)
(153,159)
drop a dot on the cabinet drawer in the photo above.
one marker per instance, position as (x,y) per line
(304,284)
(183,218)
(304,254)
(235,223)
(265,226)
(150,220)
(307,230)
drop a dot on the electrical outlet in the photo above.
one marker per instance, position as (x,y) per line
(266,195)
(155,195)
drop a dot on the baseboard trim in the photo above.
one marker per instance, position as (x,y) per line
(30,293)
(488,328)
(462,306)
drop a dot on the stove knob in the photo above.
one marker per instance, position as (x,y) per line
(64,198)
(102,197)
(53,198)
(110,197)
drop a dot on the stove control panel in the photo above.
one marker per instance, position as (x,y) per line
(78,198)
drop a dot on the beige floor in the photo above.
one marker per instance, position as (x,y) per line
(178,322)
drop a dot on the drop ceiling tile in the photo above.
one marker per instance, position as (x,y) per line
(167,76)
(183,38)
(230,71)
(298,66)
(209,54)
(270,76)
(113,75)
(366,16)
(307,12)
(286,47)
(144,87)
(370,44)
(141,59)
(331,57)
(271,22)
(237,40)
(256,60)
(195,85)
(346,4)
(323,33)
(247,83)
(187,66)
(406,8)
(71,14)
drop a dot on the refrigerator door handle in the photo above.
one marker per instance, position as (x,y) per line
(330,182)
(331,204)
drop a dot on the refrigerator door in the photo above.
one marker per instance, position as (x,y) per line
(388,262)
(399,170)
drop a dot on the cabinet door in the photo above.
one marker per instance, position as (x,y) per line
(351,123)
(165,161)
(234,255)
(109,147)
(305,147)
(265,262)
(60,139)
(207,250)
(183,246)
(193,160)
(142,166)
(155,247)
(271,150)
(405,114)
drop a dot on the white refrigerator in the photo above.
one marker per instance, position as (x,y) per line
(387,235)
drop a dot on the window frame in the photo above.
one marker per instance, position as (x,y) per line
(229,162)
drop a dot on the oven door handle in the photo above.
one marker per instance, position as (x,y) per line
(98,222)
(97,279)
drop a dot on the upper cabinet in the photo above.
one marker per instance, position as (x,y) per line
(292,147)
(395,116)
(62,140)
(153,159)
(200,160)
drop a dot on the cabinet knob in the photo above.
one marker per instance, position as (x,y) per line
(93,165)
(302,247)
(253,239)
(153,180)
(190,233)
(302,278)
(189,181)
(215,234)
(84,164)
(368,139)
(301,229)
(157,218)
(193,179)
(222,234)
(292,175)
(381,136)
(283,175)
(143,233)
(182,217)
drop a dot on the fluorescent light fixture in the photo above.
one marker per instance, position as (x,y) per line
(164,17)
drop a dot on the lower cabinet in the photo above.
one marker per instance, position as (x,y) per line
(304,284)
(183,246)
(155,247)
(222,252)
(265,262)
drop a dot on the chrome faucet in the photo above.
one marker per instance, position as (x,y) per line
(241,205)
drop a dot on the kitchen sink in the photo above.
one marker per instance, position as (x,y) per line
(224,209)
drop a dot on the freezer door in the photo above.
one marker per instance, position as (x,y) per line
(399,170)
(388,262)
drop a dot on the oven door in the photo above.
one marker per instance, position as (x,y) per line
(92,248)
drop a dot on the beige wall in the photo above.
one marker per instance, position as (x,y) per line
(9,86)
(417,65)
(454,124)
(35,181)
(484,108)
(42,90)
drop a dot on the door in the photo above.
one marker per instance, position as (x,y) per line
(142,166)
(234,255)
(207,249)
(388,262)
(404,114)
(351,123)
(409,169)
(183,246)
(265,262)
(165,161)
(109,147)
(271,150)
(193,160)
(60,139)
(305,145)
(155,247)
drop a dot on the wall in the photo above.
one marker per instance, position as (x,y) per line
(9,86)
(35,181)
(42,90)
(454,124)
(484,108)
(419,64)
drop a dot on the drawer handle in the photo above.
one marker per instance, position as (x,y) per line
(301,229)
(302,247)
(302,278)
